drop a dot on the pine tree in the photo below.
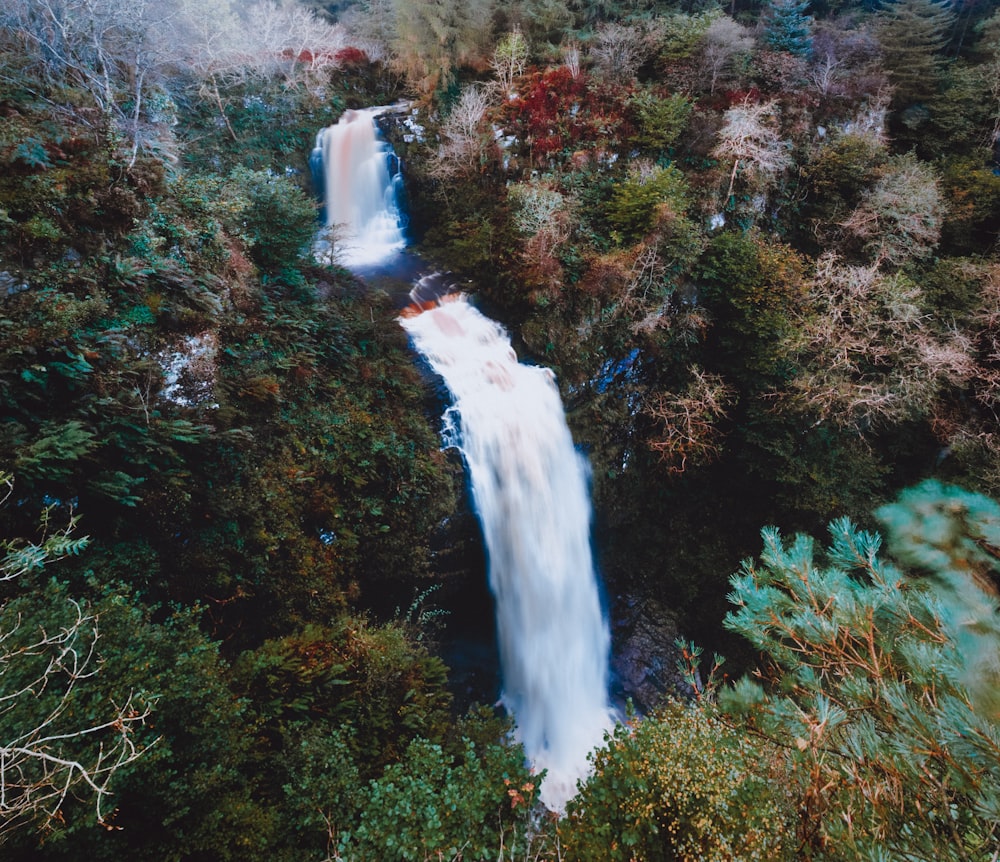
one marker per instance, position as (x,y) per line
(951,538)
(787,27)
(913,34)
(865,682)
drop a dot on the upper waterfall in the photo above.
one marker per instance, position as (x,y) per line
(531,491)
(361,188)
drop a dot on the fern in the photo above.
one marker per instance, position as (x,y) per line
(53,455)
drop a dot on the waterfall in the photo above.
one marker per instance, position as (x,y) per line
(530,488)
(361,186)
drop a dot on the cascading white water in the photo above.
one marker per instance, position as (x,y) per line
(530,487)
(361,190)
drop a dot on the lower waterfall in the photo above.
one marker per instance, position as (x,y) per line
(531,492)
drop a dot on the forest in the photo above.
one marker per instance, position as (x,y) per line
(757,242)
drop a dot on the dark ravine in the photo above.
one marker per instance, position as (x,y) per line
(643,668)
(529,487)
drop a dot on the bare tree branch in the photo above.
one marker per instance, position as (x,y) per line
(726,46)
(749,139)
(867,351)
(465,139)
(688,422)
(900,218)
(619,50)
(48,755)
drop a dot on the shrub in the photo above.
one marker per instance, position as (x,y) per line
(371,678)
(558,111)
(680,785)
(636,203)
(278,218)
(433,805)
(687,423)
(190,795)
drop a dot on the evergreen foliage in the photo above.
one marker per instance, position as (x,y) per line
(951,538)
(753,286)
(836,176)
(913,34)
(660,121)
(241,429)
(637,203)
(866,681)
(351,675)
(787,27)
(972,193)
(278,219)
(431,38)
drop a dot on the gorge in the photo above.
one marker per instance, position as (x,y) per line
(529,484)
(708,297)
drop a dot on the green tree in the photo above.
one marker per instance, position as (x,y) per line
(913,34)
(787,27)
(194,794)
(543,21)
(637,203)
(62,741)
(372,679)
(433,38)
(950,537)
(864,680)
(972,191)
(753,286)
(509,57)
(836,176)
(660,121)
(277,218)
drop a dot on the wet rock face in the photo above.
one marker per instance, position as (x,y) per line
(643,654)
(189,370)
